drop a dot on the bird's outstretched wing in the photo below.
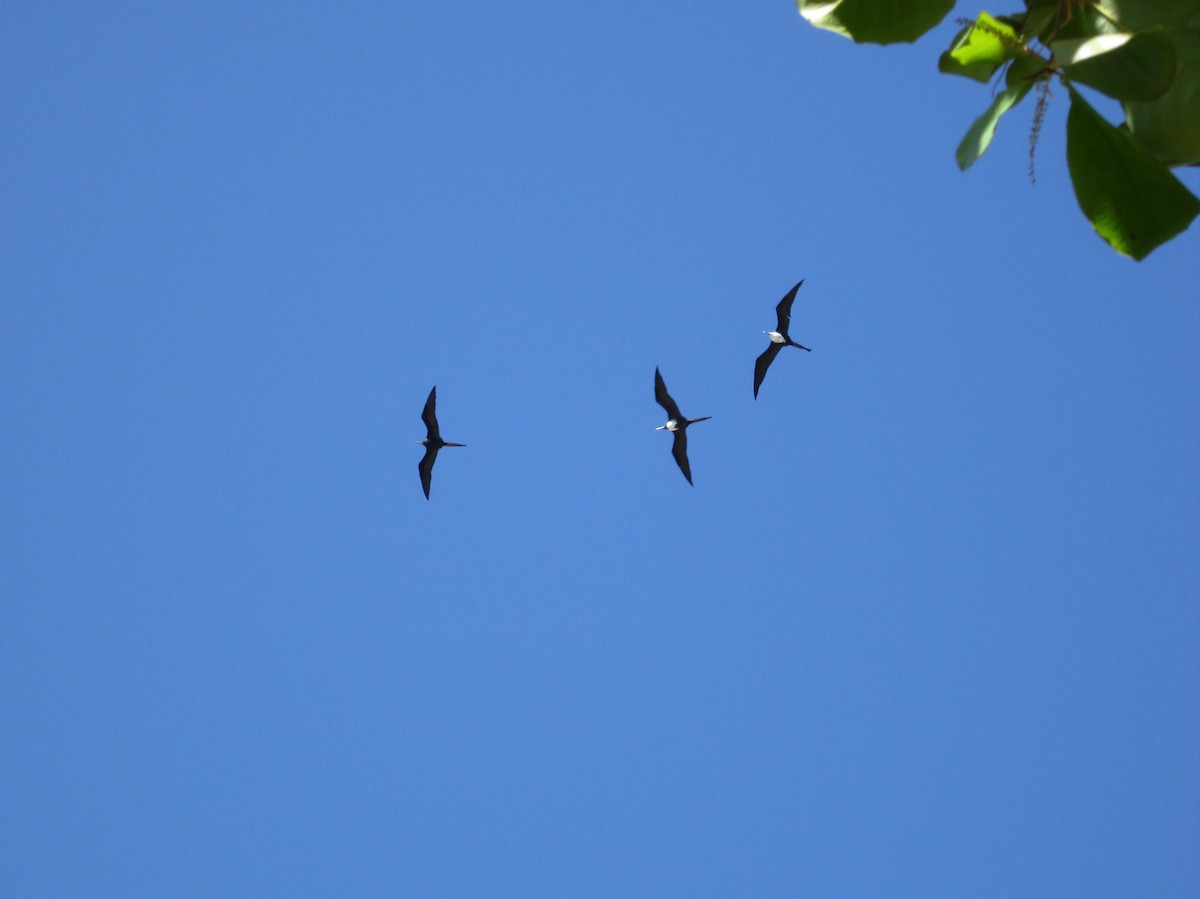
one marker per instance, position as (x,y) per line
(430,418)
(783,312)
(763,362)
(663,398)
(679,451)
(425,466)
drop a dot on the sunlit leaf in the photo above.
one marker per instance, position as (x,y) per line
(1130,198)
(980,49)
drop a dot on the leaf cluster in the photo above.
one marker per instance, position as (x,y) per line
(1143,53)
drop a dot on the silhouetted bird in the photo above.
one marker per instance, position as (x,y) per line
(676,424)
(779,338)
(433,441)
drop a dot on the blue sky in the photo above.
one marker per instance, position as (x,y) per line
(928,623)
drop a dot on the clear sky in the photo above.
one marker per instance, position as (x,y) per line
(928,624)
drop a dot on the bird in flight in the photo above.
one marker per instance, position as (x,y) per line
(433,441)
(779,338)
(676,424)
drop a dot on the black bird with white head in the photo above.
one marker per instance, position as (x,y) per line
(676,424)
(779,338)
(433,441)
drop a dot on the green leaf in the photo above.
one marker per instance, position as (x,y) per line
(980,49)
(1068,19)
(975,142)
(1141,15)
(1170,126)
(1026,70)
(1039,19)
(876,21)
(1130,198)
(1124,66)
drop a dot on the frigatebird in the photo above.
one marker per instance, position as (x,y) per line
(433,441)
(676,424)
(779,338)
